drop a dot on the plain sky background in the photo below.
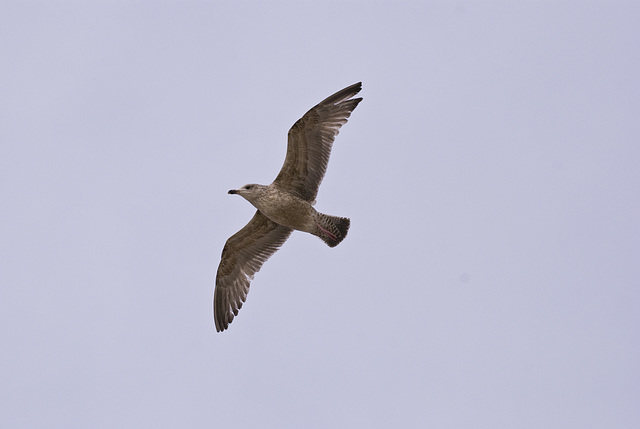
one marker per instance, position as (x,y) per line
(490,278)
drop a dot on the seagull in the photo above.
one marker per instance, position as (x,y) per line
(285,205)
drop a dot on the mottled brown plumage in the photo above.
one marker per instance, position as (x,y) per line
(284,205)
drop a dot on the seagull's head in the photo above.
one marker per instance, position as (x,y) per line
(249,192)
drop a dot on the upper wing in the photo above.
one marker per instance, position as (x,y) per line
(242,257)
(310,141)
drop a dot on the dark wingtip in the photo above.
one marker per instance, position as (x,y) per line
(221,322)
(343,94)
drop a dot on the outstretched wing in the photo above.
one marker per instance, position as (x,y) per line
(310,141)
(242,257)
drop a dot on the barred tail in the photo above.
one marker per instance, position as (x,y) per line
(332,229)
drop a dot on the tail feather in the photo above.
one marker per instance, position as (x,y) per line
(332,229)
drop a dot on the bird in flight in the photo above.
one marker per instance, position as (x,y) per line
(285,205)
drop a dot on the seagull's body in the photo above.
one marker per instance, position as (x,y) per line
(285,205)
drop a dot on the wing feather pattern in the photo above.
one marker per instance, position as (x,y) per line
(242,257)
(310,141)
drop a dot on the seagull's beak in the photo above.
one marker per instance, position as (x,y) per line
(233,191)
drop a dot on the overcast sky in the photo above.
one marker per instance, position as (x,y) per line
(490,277)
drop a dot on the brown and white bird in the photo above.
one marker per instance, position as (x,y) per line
(284,205)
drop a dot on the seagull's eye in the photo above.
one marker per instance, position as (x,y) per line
(248,187)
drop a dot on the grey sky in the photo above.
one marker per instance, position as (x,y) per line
(490,276)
